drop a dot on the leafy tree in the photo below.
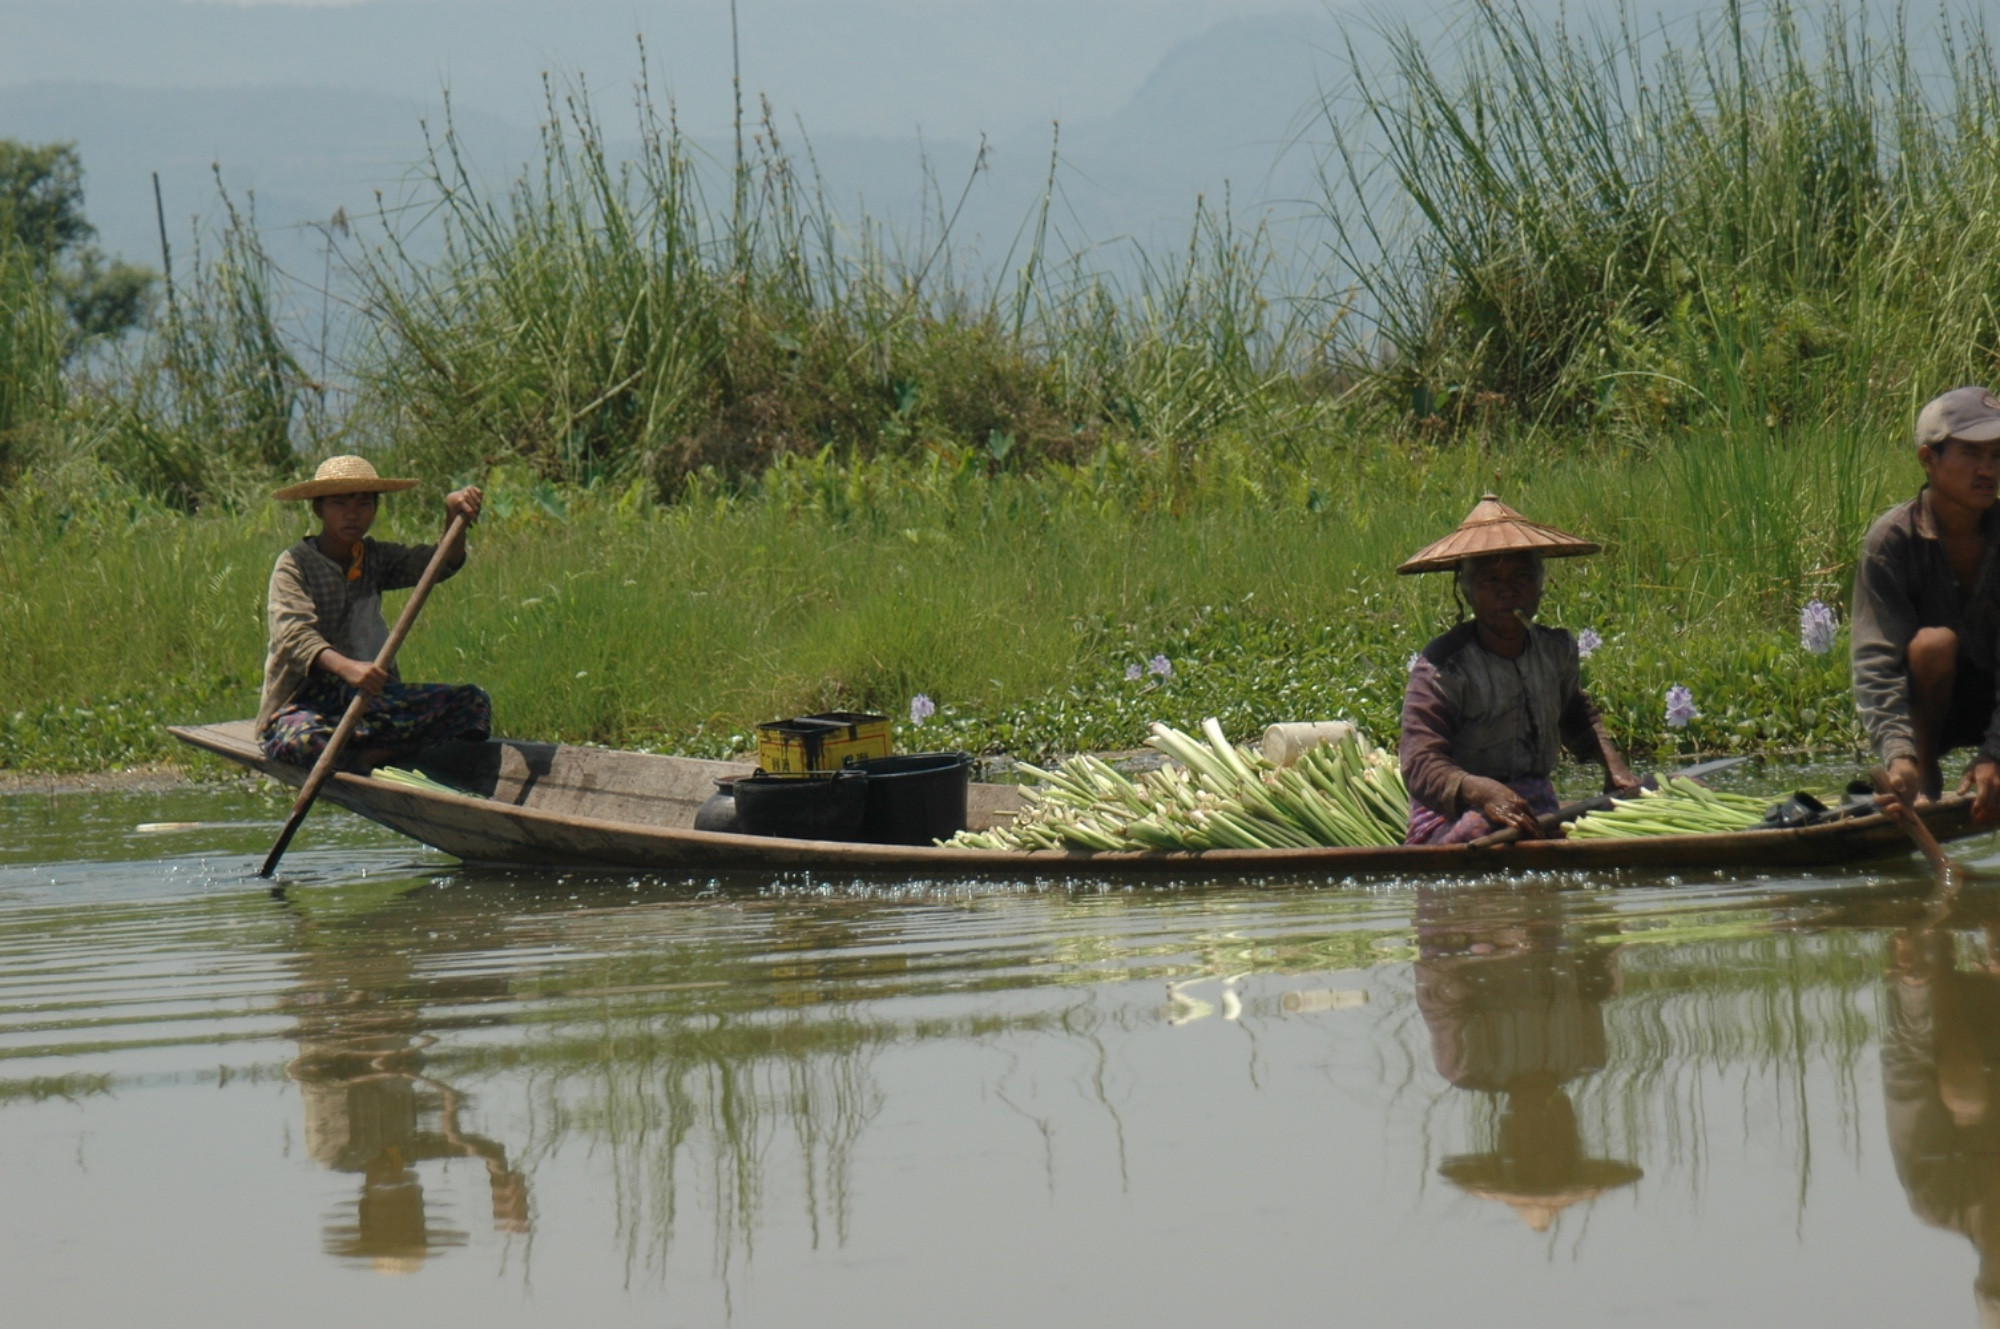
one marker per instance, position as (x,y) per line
(41,214)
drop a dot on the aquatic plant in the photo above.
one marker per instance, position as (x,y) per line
(1680,707)
(1817,627)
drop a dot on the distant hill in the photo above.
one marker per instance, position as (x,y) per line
(302,152)
(869,67)
(337,112)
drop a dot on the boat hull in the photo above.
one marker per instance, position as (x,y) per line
(558,806)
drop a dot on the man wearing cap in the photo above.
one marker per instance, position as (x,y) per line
(325,613)
(1927,609)
(1488,703)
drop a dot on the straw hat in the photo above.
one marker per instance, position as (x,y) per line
(1495,528)
(342,475)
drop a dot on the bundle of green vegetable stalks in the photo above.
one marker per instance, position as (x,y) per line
(414,779)
(1678,807)
(1215,796)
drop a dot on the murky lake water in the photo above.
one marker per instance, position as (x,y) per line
(404,1093)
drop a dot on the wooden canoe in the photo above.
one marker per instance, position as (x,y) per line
(553,805)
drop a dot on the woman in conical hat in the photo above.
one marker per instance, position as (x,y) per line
(325,612)
(1489,701)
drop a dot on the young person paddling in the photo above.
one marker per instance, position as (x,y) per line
(1927,609)
(1489,702)
(325,615)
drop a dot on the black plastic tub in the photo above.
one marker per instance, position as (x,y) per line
(803,807)
(914,799)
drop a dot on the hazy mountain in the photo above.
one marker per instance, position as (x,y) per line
(957,68)
(1217,109)
(314,107)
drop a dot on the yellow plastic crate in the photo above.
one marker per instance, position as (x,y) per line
(823,742)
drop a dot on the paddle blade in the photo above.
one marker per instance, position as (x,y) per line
(292,824)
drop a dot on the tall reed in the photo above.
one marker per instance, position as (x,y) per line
(601,322)
(1780,217)
(32,344)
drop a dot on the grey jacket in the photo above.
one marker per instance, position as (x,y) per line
(1467,711)
(1904,583)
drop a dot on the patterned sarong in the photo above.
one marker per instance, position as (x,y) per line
(405,715)
(1427,827)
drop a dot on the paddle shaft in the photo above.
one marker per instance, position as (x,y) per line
(1568,812)
(1891,801)
(323,768)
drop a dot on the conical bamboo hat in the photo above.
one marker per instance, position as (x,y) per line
(1495,528)
(1490,1177)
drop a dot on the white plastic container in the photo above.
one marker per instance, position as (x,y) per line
(1285,743)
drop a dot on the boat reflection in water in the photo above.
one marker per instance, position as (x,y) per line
(1515,1008)
(1941,1078)
(371,1110)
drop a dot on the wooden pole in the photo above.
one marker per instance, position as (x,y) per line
(1900,812)
(166,254)
(323,768)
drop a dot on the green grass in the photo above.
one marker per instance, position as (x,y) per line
(1017,603)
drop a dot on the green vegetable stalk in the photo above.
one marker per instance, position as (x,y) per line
(1215,795)
(1679,807)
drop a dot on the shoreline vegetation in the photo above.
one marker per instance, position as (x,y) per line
(744,460)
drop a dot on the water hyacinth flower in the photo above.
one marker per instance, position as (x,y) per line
(1587,642)
(1160,667)
(922,708)
(1680,707)
(1817,626)
(1133,673)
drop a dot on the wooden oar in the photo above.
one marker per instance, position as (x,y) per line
(1571,811)
(323,768)
(1899,811)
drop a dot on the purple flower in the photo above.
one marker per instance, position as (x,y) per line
(922,708)
(1680,707)
(1160,667)
(1587,642)
(1133,673)
(1817,626)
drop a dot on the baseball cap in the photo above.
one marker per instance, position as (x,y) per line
(1969,414)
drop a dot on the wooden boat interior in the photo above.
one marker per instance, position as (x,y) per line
(562,780)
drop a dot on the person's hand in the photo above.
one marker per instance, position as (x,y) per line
(1907,780)
(1501,806)
(1982,781)
(466,502)
(362,675)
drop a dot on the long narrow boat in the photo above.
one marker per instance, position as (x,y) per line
(553,805)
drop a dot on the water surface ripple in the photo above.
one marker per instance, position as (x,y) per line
(406,1091)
